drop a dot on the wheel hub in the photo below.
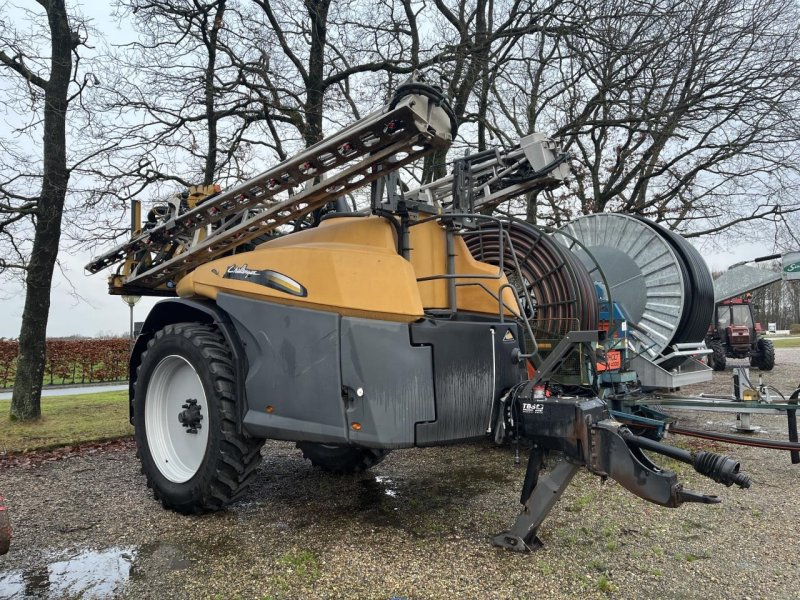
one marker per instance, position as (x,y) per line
(190,416)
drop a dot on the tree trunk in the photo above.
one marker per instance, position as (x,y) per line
(26,399)
(318,13)
(210,170)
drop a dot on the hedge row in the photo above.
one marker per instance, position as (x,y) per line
(72,361)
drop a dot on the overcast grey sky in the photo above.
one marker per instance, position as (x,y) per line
(93,313)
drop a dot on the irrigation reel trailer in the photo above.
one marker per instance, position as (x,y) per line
(404,326)
(655,298)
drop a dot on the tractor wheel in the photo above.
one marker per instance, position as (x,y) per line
(765,360)
(186,418)
(341,459)
(716,360)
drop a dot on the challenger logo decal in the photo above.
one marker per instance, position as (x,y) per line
(267,278)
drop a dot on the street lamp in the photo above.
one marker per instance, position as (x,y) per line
(131,302)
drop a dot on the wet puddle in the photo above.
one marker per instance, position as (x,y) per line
(410,504)
(387,485)
(90,574)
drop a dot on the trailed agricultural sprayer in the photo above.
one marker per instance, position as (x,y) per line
(413,323)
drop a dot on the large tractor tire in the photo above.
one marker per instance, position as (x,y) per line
(341,459)
(186,421)
(716,360)
(765,359)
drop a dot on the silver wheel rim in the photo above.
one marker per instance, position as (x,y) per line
(176,453)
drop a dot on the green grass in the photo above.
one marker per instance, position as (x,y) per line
(297,568)
(604,584)
(793,342)
(67,420)
(690,557)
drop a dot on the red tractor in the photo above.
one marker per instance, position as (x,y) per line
(735,334)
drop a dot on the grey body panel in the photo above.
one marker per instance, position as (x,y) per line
(396,380)
(421,384)
(293,356)
(472,366)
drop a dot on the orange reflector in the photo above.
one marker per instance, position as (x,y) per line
(531,369)
(270,408)
(356,426)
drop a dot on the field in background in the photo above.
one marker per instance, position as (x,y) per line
(791,342)
(68,420)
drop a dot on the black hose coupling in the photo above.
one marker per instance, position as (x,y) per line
(719,468)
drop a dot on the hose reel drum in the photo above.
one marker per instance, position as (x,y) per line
(658,278)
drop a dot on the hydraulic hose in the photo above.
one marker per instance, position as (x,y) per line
(433,92)
(735,439)
(726,438)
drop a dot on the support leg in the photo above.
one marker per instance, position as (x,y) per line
(791,416)
(522,535)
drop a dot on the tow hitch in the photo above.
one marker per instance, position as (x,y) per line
(586,435)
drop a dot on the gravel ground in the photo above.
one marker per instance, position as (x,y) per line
(417,526)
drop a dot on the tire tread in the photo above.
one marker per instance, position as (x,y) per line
(240,455)
(343,459)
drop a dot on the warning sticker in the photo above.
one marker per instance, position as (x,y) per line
(612,363)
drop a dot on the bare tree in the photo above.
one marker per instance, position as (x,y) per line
(680,111)
(256,81)
(175,104)
(46,86)
(472,42)
(275,75)
(331,62)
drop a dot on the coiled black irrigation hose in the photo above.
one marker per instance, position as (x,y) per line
(563,293)
(604,234)
(698,305)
